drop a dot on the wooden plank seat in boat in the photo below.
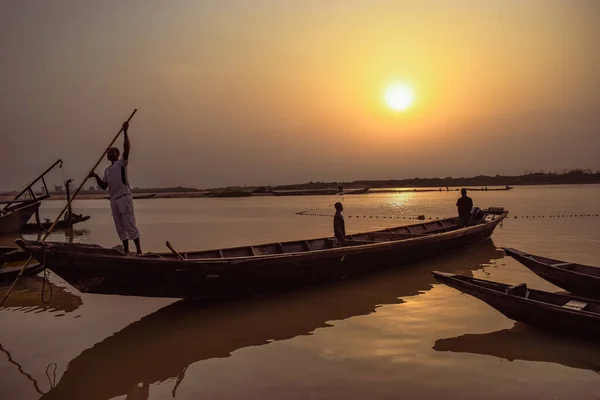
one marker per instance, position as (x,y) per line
(575,305)
(356,242)
(565,265)
(394,235)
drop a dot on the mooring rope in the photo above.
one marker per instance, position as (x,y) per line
(45,279)
(52,381)
(21,371)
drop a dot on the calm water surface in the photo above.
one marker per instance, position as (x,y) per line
(395,334)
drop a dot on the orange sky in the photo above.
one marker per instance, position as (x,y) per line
(268,92)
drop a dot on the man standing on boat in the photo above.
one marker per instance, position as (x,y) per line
(464,205)
(339,226)
(121,200)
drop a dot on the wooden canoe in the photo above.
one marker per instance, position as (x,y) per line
(12,254)
(240,271)
(9,274)
(581,280)
(13,219)
(160,346)
(558,312)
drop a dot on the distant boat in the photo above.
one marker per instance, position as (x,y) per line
(486,189)
(358,191)
(64,224)
(239,271)
(581,280)
(552,311)
(138,196)
(315,192)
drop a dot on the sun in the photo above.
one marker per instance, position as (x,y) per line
(399,97)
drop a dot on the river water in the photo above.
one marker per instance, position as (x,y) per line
(394,334)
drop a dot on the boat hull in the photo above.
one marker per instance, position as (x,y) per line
(580,284)
(104,272)
(16,220)
(531,312)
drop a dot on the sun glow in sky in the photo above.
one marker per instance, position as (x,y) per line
(399,97)
(268,92)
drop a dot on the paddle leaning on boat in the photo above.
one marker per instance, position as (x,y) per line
(239,271)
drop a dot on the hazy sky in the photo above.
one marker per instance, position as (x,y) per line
(273,92)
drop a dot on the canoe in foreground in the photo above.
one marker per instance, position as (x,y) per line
(553,311)
(581,280)
(12,254)
(9,274)
(240,271)
(160,346)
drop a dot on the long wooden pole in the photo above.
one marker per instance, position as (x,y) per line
(49,231)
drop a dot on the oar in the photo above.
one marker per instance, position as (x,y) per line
(49,231)
(179,256)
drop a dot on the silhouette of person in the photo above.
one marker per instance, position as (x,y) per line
(339,226)
(464,205)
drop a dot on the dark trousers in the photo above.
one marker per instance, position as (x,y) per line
(464,219)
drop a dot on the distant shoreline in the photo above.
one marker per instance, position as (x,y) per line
(573,177)
(248,192)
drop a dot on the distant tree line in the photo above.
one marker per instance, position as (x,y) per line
(574,176)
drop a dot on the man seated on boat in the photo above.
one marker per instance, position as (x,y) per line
(121,200)
(339,226)
(464,205)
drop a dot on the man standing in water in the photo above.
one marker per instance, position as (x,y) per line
(339,226)
(464,205)
(121,200)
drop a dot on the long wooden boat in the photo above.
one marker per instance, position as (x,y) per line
(14,218)
(17,211)
(9,274)
(553,311)
(240,271)
(581,280)
(160,346)
(12,254)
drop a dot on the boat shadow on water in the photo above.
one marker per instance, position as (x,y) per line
(32,294)
(162,345)
(523,342)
